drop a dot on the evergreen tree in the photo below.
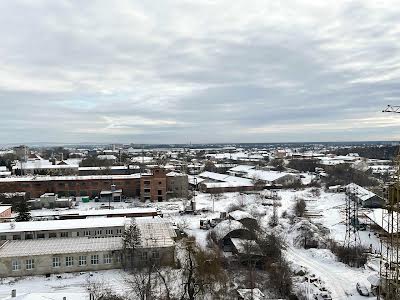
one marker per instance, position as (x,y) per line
(23,212)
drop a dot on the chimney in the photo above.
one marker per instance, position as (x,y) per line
(13,293)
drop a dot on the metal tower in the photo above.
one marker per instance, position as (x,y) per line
(389,264)
(352,238)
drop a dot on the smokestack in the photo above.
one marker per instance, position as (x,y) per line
(13,293)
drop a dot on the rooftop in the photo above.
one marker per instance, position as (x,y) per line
(61,224)
(59,246)
(59,178)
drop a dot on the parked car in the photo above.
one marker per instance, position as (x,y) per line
(362,289)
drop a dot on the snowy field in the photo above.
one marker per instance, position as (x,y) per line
(326,209)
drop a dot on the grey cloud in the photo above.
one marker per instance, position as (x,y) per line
(175,71)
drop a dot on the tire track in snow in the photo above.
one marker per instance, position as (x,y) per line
(333,280)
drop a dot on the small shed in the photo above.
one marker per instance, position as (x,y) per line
(111,196)
(228,229)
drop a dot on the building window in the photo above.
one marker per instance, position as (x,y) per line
(119,259)
(160,199)
(64,234)
(56,262)
(155,255)
(107,259)
(3,237)
(94,259)
(159,192)
(29,236)
(69,261)
(86,233)
(147,190)
(15,265)
(109,231)
(52,235)
(40,235)
(119,231)
(146,182)
(77,233)
(98,232)
(159,182)
(82,260)
(144,256)
(30,264)
(16,237)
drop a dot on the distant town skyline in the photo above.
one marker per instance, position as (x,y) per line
(198,71)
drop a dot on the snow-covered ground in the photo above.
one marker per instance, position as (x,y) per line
(326,209)
(71,285)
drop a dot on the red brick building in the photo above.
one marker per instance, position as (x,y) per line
(157,186)
(71,185)
(154,186)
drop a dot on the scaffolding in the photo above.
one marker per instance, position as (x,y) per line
(389,264)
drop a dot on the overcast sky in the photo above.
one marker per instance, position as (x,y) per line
(198,71)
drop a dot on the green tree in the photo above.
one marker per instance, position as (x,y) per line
(23,212)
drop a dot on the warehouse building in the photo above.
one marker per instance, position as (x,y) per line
(34,230)
(87,253)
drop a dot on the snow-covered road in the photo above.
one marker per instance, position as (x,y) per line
(334,280)
(339,278)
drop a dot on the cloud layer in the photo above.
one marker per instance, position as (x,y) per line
(198,71)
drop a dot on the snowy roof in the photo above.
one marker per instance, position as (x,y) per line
(59,246)
(223,180)
(360,192)
(62,224)
(55,178)
(194,179)
(242,168)
(3,208)
(98,212)
(175,174)
(269,176)
(3,169)
(156,232)
(240,215)
(380,217)
(107,157)
(225,227)
(104,168)
(213,176)
(251,294)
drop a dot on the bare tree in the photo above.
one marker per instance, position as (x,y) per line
(131,240)
(201,271)
(142,282)
(101,291)
(300,207)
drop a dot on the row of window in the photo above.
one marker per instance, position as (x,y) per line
(64,234)
(69,261)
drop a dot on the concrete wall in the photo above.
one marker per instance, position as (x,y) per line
(165,256)
(44,264)
(177,186)
(116,231)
